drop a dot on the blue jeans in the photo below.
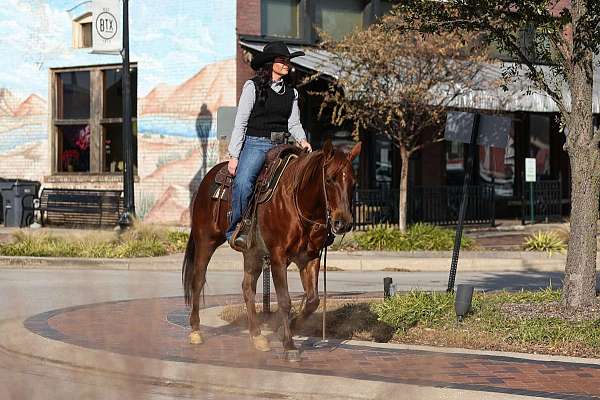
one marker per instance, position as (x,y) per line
(250,163)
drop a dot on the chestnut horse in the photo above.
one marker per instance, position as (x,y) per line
(313,197)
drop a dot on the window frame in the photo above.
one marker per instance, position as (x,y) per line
(307,21)
(96,120)
(77,35)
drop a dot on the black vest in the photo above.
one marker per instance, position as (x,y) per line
(273,115)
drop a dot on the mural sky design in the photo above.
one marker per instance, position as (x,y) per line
(170,39)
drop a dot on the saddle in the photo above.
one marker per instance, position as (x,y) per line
(276,161)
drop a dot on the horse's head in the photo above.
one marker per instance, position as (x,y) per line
(339,185)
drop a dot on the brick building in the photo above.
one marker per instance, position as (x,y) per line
(535,131)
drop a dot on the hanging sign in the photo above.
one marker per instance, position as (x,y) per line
(107,29)
(530,175)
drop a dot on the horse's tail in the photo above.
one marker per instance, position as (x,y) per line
(188,271)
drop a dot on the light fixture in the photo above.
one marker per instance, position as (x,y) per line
(462,302)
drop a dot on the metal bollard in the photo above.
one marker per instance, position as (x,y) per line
(387,283)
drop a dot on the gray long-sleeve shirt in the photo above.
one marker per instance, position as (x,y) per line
(245,106)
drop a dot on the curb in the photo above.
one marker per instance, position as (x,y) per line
(361,261)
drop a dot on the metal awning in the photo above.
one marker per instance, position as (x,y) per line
(497,99)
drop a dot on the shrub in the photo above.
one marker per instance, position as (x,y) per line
(141,240)
(407,310)
(545,241)
(417,237)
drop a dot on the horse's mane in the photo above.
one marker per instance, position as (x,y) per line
(307,167)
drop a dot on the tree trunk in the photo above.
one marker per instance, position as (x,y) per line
(580,272)
(403,205)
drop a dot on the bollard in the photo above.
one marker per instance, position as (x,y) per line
(387,282)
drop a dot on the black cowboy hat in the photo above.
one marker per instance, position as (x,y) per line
(271,51)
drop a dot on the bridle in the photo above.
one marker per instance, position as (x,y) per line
(316,224)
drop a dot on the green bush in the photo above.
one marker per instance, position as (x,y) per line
(417,237)
(142,240)
(549,242)
(407,310)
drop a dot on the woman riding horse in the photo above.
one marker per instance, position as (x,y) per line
(312,200)
(268,106)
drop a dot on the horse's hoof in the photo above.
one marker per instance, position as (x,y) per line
(261,343)
(196,337)
(293,356)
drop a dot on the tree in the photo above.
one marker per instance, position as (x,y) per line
(568,37)
(399,85)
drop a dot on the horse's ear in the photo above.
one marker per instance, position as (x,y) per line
(354,152)
(328,148)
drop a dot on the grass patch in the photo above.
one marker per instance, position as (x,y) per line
(142,240)
(526,321)
(418,237)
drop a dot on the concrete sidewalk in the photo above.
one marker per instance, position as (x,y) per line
(225,259)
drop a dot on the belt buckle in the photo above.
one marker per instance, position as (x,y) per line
(279,137)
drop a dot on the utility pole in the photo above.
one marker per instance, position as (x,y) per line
(128,189)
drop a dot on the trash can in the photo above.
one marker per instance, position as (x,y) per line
(17,202)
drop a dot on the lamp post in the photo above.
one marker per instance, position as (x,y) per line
(128,189)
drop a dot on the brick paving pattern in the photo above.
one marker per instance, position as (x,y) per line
(157,328)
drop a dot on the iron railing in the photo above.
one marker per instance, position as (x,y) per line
(437,205)
(440,205)
(547,201)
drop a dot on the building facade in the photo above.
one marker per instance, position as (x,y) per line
(60,105)
(535,133)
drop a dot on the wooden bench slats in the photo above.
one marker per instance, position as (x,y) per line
(81,207)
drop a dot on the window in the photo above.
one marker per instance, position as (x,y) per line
(82,31)
(338,18)
(281,18)
(295,19)
(539,144)
(87,120)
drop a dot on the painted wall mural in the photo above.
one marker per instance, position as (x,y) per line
(186,70)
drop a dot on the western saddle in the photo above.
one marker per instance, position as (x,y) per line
(276,161)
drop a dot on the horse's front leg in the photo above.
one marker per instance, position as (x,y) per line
(279,272)
(309,275)
(252,270)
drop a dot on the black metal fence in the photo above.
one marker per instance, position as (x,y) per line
(437,205)
(546,200)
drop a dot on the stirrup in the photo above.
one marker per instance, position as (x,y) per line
(239,231)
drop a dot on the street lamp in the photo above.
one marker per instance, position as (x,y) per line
(128,189)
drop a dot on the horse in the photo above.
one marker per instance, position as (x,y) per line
(312,200)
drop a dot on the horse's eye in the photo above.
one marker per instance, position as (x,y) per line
(329,179)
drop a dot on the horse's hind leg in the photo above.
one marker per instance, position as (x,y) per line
(252,270)
(204,252)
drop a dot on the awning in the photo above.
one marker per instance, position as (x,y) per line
(497,99)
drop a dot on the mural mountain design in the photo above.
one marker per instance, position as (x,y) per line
(213,85)
(10,106)
(33,105)
(8,103)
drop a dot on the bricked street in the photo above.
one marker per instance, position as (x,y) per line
(156,328)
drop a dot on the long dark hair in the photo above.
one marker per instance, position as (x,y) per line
(262,81)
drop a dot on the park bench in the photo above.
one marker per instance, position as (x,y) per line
(80,207)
